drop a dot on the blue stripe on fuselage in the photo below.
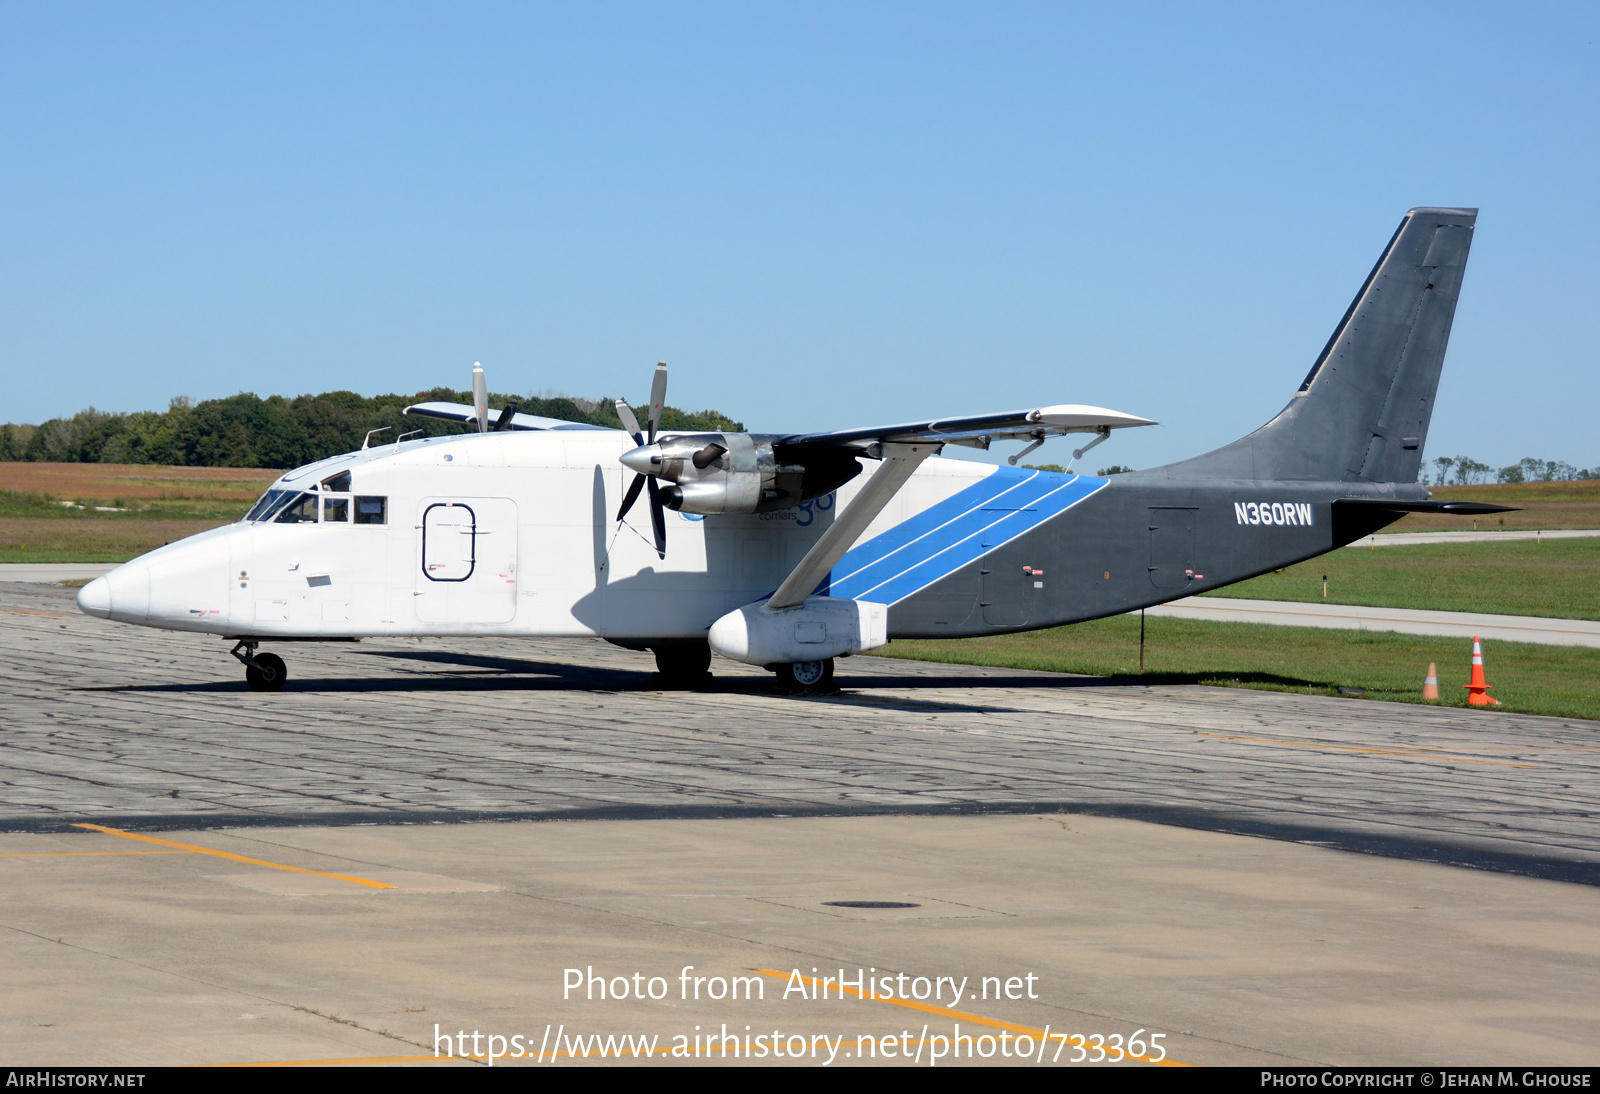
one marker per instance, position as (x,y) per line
(954,533)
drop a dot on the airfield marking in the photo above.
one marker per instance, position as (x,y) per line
(53,615)
(235,858)
(1351,748)
(352,1060)
(977,1019)
(555,1054)
(82,854)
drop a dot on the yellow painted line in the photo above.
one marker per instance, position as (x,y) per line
(1507,748)
(976,1019)
(352,1060)
(236,858)
(83,854)
(53,615)
(1351,748)
(552,1054)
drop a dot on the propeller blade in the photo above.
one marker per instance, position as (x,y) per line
(631,496)
(629,422)
(658,398)
(505,415)
(658,518)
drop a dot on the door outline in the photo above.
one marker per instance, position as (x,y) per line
(472,559)
(1172,545)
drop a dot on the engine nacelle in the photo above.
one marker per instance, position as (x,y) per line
(735,494)
(821,628)
(716,473)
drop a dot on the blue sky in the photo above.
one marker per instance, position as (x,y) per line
(820,215)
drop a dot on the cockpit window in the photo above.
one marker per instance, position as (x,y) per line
(303,510)
(267,504)
(370,510)
(335,509)
(339,484)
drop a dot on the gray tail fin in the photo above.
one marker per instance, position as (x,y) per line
(1362,413)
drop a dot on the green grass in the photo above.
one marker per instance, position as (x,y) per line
(1539,505)
(27,504)
(97,538)
(1559,578)
(1530,679)
(37,528)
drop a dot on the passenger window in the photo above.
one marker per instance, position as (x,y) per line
(335,509)
(371,510)
(302,511)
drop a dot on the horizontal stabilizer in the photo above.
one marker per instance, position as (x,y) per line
(1452,508)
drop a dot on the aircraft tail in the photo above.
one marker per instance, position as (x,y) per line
(1362,413)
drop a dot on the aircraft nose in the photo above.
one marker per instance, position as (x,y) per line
(646,459)
(95,598)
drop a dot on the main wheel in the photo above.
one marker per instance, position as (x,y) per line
(806,675)
(684,664)
(267,674)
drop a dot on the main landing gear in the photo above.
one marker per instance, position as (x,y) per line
(262,671)
(806,677)
(684,664)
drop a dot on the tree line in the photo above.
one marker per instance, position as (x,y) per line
(248,431)
(1466,471)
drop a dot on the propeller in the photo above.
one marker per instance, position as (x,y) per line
(658,516)
(505,415)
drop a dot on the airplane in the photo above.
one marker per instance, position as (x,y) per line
(782,553)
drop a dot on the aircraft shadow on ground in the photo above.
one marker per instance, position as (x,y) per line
(1574,868)
(481,673)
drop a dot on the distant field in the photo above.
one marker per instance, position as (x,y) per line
(104,483)
(155,505)
(1559,680)
(1558,578)
(1543,505)
(90,539)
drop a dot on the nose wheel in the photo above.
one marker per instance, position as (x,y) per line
(806,676)
(262,671)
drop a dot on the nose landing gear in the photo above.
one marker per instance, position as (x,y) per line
(262,671)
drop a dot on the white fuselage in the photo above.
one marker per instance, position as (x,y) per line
(509,533)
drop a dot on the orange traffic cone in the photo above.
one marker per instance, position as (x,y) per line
(1430,682)
(1479,688)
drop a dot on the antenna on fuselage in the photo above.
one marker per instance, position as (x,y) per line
(480,397)
(367,440)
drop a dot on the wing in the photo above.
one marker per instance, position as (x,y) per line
(979,429)
(902,448)
(460,412)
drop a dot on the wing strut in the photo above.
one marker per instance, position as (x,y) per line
(899,462)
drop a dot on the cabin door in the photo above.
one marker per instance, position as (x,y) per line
(467,551)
